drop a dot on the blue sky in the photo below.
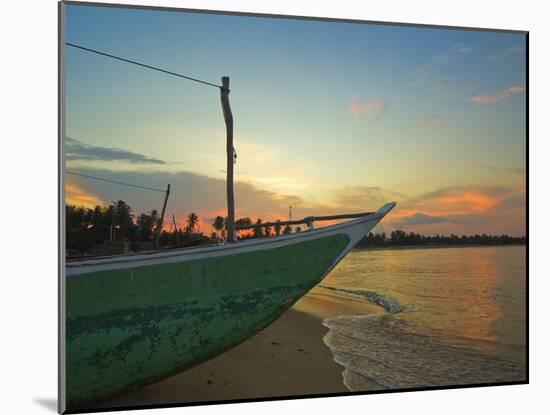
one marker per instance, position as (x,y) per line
(324,112)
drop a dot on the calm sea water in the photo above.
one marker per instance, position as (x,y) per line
(462,318)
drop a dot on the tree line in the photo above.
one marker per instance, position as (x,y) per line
(86,228)
(401,238)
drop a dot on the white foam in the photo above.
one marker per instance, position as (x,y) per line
(387,352)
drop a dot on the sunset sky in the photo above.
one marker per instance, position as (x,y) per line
(329,118)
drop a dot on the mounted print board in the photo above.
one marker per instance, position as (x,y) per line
(261,207)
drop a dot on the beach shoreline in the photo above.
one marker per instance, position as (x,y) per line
(288,358)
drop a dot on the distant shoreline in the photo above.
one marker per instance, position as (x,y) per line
(401,247)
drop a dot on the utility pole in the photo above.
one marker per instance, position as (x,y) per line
(228,117)
(176,230)
(161,220)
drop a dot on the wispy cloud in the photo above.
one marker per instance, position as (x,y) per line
(508,53)
(437,73)
(420,218)
(362,198)
(450,55)
(486,98)
(77,150)
(373,108)
(504,169)
(282,182)
(430,120)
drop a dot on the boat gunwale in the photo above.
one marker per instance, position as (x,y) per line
(215,249)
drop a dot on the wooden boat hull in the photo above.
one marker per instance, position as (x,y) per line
(133,320)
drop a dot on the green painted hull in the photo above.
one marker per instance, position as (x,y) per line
(134,326)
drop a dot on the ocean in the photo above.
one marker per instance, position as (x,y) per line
(456,316)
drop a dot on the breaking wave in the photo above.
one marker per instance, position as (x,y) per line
(384,351)
(390,304)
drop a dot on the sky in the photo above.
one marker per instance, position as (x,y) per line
(330,117)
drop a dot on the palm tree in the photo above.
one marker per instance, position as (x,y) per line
(277,227)
(123,218)
(246,221)
(191,222)
(145,227)
(219,224)
(155,217)
(287,229)
(243,221)
(147,224)
(258,231)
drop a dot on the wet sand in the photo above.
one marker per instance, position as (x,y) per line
(288,358)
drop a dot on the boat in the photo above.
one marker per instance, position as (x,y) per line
(134,319)
(138,318)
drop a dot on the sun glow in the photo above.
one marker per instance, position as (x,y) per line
(78,196)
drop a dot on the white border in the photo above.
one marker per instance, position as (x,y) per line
(61,292)
(29,204)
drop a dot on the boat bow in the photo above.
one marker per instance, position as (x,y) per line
(136,319)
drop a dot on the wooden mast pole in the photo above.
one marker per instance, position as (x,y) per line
(228,117)
(161,220)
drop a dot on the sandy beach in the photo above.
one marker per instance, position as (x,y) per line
(287,358)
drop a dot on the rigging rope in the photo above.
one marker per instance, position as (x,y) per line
(115,182)
(141,64)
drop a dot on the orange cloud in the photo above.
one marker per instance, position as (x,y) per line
(374,107)
(468,210)
(466,202)
(78,196)
(448,202)
(499,96)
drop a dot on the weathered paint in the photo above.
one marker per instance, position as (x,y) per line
(129,327)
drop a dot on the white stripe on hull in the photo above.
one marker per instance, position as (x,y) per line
(355,229)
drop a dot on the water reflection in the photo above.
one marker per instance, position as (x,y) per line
(472,297)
